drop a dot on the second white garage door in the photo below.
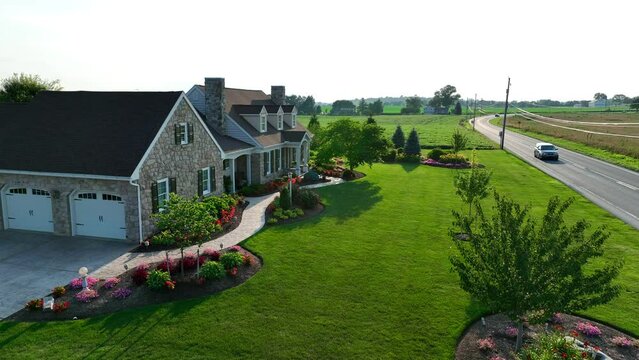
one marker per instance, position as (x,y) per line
(99,214)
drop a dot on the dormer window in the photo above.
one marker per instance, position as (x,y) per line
(280,121)
(294,120)
(262,122)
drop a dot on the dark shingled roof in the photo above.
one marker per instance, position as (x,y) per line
(227,143)
(293,136)
(242,97)
(96,133)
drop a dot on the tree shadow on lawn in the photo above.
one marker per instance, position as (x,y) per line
(6,325)
(351,199)
(408,167)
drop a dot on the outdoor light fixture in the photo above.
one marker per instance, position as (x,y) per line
(83,271)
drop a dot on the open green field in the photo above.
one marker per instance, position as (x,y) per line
(368,278)
(433,130)
(553,109)
(617,150)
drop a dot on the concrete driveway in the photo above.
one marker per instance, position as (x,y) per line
(31,263)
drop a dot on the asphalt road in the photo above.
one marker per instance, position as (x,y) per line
(611,187)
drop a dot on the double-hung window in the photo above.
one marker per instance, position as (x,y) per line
(280,121)
(293,120)
(163,193)
(206,181)
(262,122)
(183,133)
(267,163)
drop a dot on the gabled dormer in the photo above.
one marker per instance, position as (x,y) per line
(290,116)
(255,115)
(276,119)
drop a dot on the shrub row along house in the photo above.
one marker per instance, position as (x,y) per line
(100,163)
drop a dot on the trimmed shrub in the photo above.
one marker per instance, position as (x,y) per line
(412,144)
(212,270)
(140,274)
(157,279)
(231,260)
(390,156)
(285,199)
(164,238)
(348,174)
(307,199)
(436,154)
(212,254)
(172,265)
(453,159)
(189,261)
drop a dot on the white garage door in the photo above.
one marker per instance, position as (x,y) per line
(99,214)
(29,209)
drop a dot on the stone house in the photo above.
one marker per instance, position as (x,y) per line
(99,164)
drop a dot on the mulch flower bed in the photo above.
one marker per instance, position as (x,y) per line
(502,333)
(133,295)
(226,228)
(308,213)
(432,162)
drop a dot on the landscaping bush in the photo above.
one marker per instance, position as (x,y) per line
(61,306)
(231,260)
(305,198)
(310,177)
(140,274)
(390,156)
(77,282)
(170,267)
(121,293)
(253,190)
(552,346)
(406,158)
(164,238)
(189,261)
(285,199)
(34,304)
(235,248)
(111,282)
(157,279)
(86,295)
(215,204)
(272,221)
(436,154)
(58,291)
(453,159)
(212,254)
(212,270)
(348,174)
(247,260)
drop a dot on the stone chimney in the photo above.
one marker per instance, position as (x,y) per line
(278,94)
(214,100)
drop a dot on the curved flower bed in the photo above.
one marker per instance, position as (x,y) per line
(432,162)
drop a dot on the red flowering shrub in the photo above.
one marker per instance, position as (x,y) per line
(190,261)
(235,248)
(212,254)
(140,274)
(170,267)
(227,216)
(232,271)
(60,307)
(247,260)
(35,304)
(170,284)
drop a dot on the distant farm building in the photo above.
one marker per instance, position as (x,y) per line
(440,110)
(598,103)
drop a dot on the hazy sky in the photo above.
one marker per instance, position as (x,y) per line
(331,49)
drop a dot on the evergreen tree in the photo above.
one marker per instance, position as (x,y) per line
(362,108)
(314,125)
(412,144)
(398,138)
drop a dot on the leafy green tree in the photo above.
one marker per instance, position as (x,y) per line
(376,108)
(529,272)
(318,109)
(362,107)
(413,105)
(444,97)
(458,141)
(398,139)
(472,186)
(600,96)
(187,221)
(412,144)
(619,99)
(371,120)
(343,107)
(458,109)
(635,103)
(23,87)
(314,125)
(358,143)
(307,106)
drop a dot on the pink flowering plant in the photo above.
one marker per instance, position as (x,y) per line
(110,283)
(510,331)
(121,293)
(77,282)
(486,344)
(497,357)
(86,295)
(622,341)
(556,319)
(588,329)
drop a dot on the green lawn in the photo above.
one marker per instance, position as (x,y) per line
(369,278)
(552,109)
(433,130)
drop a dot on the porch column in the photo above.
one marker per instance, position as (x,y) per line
(248,169)
(298,160)
(232,166)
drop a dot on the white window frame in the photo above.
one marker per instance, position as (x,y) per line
(268,163)
(206,181)
(263,122)
(278,156)
(280,121)
(184,130)
(163,197)
(293,120)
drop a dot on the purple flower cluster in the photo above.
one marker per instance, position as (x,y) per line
(588,329)
(77,282)
(122,293)
(86,295)
(110,283)
(511,331)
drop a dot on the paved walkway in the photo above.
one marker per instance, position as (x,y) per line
(253,220)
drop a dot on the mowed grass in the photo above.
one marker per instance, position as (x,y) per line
(553,109)
(433,130)
(617,150)
(368,278)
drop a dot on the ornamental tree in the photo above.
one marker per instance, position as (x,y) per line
(187,221)
(472,186)
(529,271)
(398,139)
(412,144)
(458,141)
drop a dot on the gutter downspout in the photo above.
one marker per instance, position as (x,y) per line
(137,185)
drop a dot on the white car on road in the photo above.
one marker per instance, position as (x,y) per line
(546,151)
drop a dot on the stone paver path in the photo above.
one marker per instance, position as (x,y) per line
(253,220)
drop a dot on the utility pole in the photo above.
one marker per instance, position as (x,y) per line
(475,112)
(503,127)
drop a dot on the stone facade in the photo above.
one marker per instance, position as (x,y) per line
(61,189)
(181,162)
